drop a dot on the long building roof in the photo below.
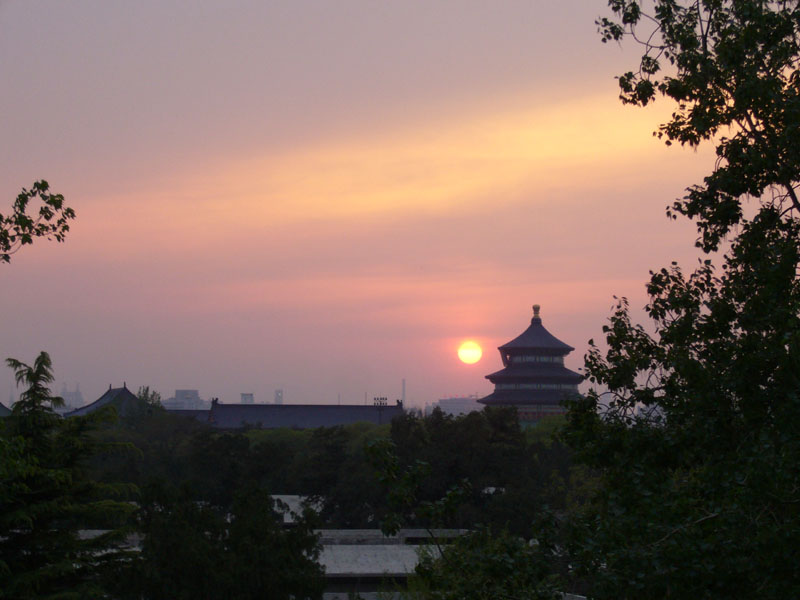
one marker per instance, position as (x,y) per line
(355,560)
(299,416)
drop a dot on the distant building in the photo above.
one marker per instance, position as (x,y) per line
(185,400)
(72,399)
(279,396)
(534,378)
(247,398)
(298,416)
(456,406)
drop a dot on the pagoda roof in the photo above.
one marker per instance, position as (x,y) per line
(537,372)
(525,397)
(536,337)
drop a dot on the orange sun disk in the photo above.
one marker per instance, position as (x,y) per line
(470,352)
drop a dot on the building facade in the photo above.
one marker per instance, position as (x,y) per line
(185,400)
(533,378)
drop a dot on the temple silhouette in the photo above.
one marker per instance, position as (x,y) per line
(534,378)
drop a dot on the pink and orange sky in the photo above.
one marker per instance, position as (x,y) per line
(324,197)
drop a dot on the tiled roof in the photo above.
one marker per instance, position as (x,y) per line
(368,561)
(536,337)
(299,416)
(121,398)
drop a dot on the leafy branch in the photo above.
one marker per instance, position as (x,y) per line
(50,221)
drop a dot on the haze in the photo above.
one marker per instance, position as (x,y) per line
(325,197)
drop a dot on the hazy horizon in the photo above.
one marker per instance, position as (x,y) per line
(323,197)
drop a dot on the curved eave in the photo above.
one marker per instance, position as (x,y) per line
(118,397)
(526,398)
(537,373)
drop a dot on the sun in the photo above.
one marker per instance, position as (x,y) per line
(470,352)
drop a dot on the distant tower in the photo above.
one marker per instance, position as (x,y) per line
(247,398)
(184,399)
(534,378)
(72,400)
(279,396)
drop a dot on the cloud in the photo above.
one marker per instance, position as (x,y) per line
(431,167)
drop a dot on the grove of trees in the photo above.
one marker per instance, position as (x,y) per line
(198,500)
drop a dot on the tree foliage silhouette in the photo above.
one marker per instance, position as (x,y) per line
(202,550)
(695,429)
(730,66)
(50,221)
(47,499)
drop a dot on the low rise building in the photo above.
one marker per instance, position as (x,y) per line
(185,400)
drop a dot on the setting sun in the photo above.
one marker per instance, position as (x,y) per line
(470,352)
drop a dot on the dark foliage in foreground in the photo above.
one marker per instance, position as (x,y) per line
(698,444)
(196,550)
(47,498)
(513,473)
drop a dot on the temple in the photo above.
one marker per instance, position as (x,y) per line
(534,378)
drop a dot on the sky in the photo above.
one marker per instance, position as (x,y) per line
(324,197)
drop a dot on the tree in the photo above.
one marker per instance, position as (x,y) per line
(51,221)
(511,475)
(150,397)
(485,565)
(46,498)
(732,74)
(694,429)
(200,550)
